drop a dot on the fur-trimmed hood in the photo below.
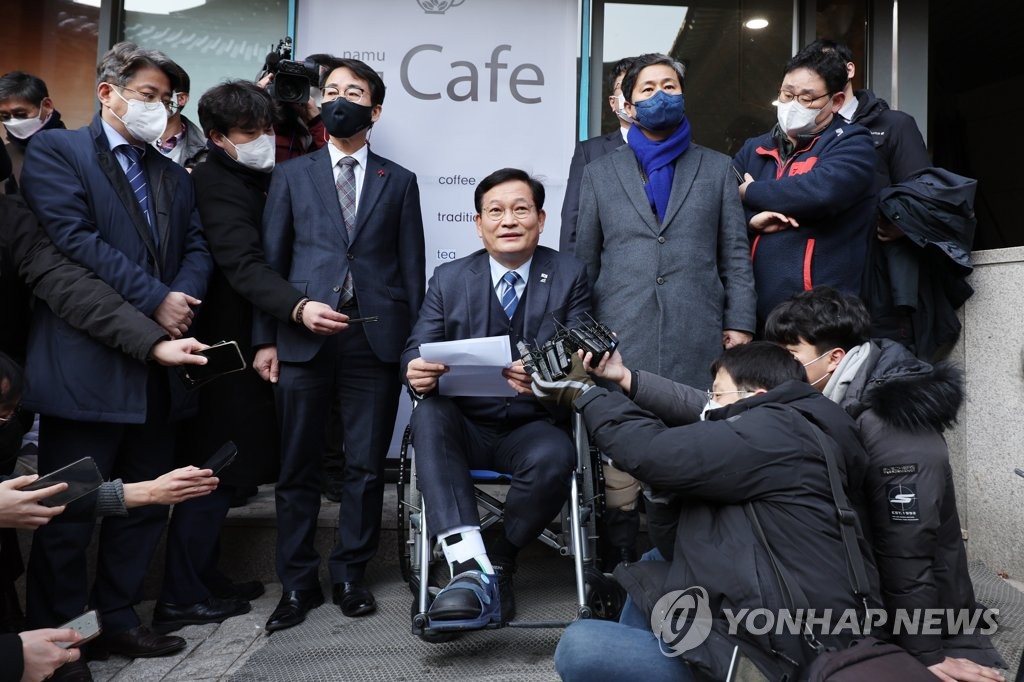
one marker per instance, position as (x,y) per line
(904,391)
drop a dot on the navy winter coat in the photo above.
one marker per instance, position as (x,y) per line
(827,184)
(75,185)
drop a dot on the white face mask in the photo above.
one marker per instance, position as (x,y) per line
(24,128)
(259,154)
(823,376)
(620,109)
(144,124)
(712,404)
(796,119)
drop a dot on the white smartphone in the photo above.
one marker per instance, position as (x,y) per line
(88,625)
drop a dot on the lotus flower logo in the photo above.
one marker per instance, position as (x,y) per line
(438,6)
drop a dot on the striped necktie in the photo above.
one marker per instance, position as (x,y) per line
(137,179)
(507,293)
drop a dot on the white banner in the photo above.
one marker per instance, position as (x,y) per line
(472,86)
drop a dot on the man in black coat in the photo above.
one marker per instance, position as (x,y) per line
(901,406)
(25,109)
(756,454)
(915,279)
(587,151)
(231,189)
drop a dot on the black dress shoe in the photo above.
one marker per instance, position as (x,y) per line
(354,599)
(139,642)
(171,617)
(76,671)
(293,607)
(246,591)
(332,487)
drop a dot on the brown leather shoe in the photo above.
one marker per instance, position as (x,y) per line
(139,642)
(76,671)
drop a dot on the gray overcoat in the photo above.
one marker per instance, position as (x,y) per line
(668,289)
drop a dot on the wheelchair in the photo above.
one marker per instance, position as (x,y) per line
(425,570)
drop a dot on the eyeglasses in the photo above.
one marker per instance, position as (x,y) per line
(518,212)
(352,93)
(151,102)
(805,100)
(713,395)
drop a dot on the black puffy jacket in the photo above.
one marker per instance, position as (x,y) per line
(758,451)
(901,406)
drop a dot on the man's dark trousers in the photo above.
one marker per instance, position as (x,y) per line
(539,454)
(58,577)
(368,390)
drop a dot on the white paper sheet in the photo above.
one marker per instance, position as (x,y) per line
(474,366)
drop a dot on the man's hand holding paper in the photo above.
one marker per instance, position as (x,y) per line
(468,367)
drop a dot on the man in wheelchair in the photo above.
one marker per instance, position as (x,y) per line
(515,287)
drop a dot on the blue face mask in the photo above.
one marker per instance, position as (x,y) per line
(660,112)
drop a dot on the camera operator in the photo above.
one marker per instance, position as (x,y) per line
(754,455)
(299,129)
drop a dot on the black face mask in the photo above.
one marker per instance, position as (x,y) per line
(343,119)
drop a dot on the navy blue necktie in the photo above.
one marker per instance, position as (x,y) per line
(137,179)
(509,299)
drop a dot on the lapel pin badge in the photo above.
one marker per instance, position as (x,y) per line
(543,278)
(380,173)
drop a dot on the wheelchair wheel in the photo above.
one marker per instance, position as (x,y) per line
(409,505)
(410,516)
(605,596)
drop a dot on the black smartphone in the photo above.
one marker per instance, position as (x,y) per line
(82,478)
(222,459)
(739,176)
(358,320)
(222,358)
(88,624)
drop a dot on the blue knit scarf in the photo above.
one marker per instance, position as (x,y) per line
(657,159)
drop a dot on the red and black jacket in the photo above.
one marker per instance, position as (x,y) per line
(827,185)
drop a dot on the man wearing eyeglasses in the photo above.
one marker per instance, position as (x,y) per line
(115,205)
(808,187)
(182,141)
(25,109)
(511,287)
(343,225)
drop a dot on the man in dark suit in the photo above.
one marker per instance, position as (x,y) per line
(129,216)
(588,150)
(344,226)
(514,287)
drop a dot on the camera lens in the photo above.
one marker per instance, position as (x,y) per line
(290,88)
